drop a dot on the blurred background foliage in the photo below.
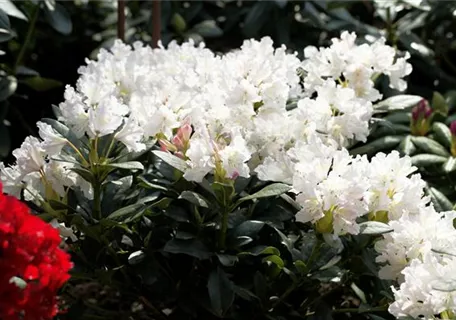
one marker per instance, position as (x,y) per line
(43,42)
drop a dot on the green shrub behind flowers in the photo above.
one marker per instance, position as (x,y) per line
(204,186)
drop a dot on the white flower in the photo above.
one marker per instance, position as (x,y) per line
(106,117)
(131,136)
(53,142)
(65,232)
(10,178)
(429,288)
(30,156)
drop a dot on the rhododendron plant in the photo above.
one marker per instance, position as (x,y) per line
(206,186)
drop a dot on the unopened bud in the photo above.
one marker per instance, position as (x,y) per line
(453,128)
(185,132)
(165,145)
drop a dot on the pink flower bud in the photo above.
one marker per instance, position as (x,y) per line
(178,143)
(453,128)
(234,175)
(165,145)
(185,132)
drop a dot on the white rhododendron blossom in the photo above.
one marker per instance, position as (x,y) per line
(257,111)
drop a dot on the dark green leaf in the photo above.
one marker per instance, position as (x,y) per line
(275,260)
(172,160)
(358,292)
(194,248)
(260,250)
(24,71)
(399,117)
(208,29)
(442,134)
(380,144)
(8,86)
(440,201)
(271,190)
(439,104)
(194,198)
(406,147)
(126,211)
(10,9)
(248,228)
(425,160)
(59,19)
(430,146)
(450,165)
(87,175)
(398,102)
(40,84)
(136,257)
(227,260)
(131,165)
(221,292)
(178,22)
(257,16)
(5,141)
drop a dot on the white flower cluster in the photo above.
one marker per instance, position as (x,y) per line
(227,115)
(420,254)
(233,108)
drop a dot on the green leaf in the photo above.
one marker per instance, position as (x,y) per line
(398,102)
(208,29)
(41,84)
(87,175)
(10,9)
(221,292)
(248,228)
(450,165)
(275,260)
(440,201)
(194,248)
(275,189)
(8,86)
(194,198)
(358,292)
(58,18)
(380,144)
(126,211)
(425,160)
(374,228)
(150,185)
(281,3)
(430,146)
(178,22)
(5,141)
(260,250)
(257,16)
(439,104)
(399,117)
(136,257)
(406,147)
(131,165)
(227,260)
(450,99)
(172,160)
(442,134)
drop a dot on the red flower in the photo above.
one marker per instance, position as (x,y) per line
(32,266)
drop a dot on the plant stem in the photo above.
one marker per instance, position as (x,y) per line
(224,228)
(357,310)
(156,22)
(97,199)
(28,38)
(121,20)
